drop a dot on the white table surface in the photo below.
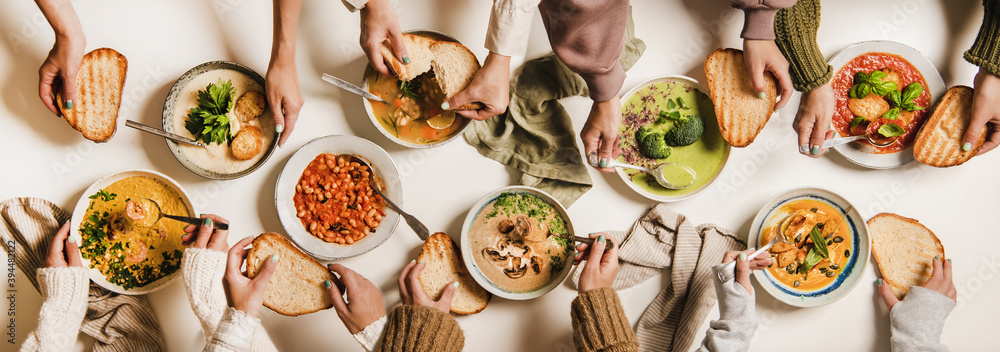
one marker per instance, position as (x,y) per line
(43,157)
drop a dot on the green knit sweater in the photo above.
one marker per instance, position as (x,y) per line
(600,324)
(416,329)
(985,52)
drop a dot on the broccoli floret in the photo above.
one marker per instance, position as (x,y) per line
(685,132)
(651,144)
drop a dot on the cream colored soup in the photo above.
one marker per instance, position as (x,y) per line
(219,158)
(512,246)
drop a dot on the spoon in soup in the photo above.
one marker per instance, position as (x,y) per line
(871,136)
(779,236)
(417,226)
(660,172)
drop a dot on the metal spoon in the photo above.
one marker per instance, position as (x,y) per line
(845,140)
(581,239)
(415,224)
(779,236)
(657,172)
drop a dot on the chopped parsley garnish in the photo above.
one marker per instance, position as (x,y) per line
(208,122)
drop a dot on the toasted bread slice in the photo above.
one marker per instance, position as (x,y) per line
(297,285)
(444,265)
(247,143)
(939,142)
(99,84)
(418,48)
(454,67)
(904,250)
(741,113)
(249,106)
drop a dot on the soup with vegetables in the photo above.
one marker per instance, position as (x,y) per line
(514,246)
(125,236)
(414,112)
(819,249)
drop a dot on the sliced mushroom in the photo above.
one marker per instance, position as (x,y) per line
(536,264)
(515,269)
(529,229)
(493,255)
(522,226)
(505,226)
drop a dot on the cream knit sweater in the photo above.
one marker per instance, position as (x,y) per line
(64,294)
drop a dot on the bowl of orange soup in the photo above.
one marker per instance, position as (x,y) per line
(413,118)
(827,249)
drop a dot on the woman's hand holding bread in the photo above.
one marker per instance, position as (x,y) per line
(364,303)
(491,87)
(763,56)
(64,250)
(206,235)
(985,112)
(412,292)
(378,24)
(601,267)
(65,57)
(940,282)
(244,294)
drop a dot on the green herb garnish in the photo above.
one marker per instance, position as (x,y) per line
(208,122)
(891,114)
(873,83)
(410,88)
(857,121)
(890,130)
(103,195)
(904,100)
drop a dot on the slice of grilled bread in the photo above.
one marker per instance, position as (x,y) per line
(939,142)
(444,265)
(904,250)
(99,84)
(297,285)
(454,67)
(418,48)
(741,112)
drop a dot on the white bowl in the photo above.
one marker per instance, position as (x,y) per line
(385,170)
(470,262)
(853,271)
(80,211)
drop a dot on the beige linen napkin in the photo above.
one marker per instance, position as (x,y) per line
(660,239)
(116,322)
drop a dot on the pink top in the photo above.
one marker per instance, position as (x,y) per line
(759,17)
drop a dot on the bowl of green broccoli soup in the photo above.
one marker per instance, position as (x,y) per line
(670,120)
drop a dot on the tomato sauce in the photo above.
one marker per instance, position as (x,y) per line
(844,80)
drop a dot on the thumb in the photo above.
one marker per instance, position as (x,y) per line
(462,98)
(279,115)
(69,87)
(398,45)
(606,150)
(264,276)
(449,293)
(73,252)
(886,292)
(976,128)
(743,272)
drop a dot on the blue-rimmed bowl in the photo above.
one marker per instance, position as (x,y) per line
(849,277)
(470,261)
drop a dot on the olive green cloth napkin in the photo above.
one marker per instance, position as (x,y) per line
(117,322)
(536,134)
(662,238)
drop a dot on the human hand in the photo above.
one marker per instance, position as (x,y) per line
(64,250)
(283,95)
(364,303)
(600,133)
(985,113)
(59,71)
(601,267)
(206,235)
(244,294)
(744,266)
(412,292)
(940,282)
(764,56)
(491,87)
(379,23)
(812,122)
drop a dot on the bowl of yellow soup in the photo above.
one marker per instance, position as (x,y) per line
(128,245)
(660,105)
(828,250)
(413,118)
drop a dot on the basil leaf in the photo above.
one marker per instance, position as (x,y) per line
(855,92)
(892,114)
(886,87)
(812,258)
(860,77)
(912,92)
(819,243)
(857,121)
(876,77)
(670,104)
(894,98)
(891,130)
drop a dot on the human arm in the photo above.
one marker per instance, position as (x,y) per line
(363,312)
(795,31)
(917,321)
(64,286)
(378,24)
(761,53)
(737,314)
(599,321)
(491,87)
(421,324)
(986,100)
(63,62)
(282,79)
(244,296)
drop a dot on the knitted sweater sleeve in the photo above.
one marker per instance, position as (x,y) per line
(795,31)
(202,272)
(985,51)
(65,292)
(234,334)
(416,328)
(600,324)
